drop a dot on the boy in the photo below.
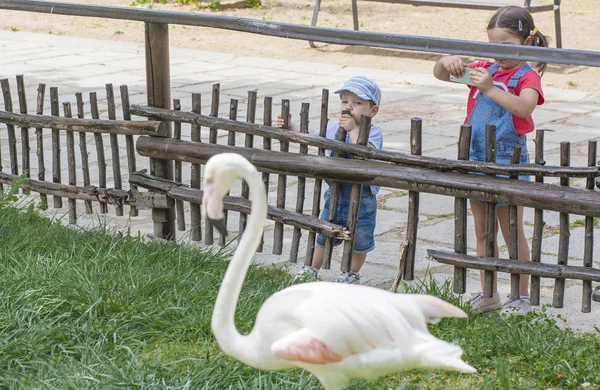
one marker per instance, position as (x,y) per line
(360,96)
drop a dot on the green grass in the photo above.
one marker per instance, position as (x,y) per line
(94,309)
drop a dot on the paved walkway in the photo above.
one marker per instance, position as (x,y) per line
(83,65)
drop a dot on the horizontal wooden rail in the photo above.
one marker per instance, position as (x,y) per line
(286,217)
(515,266)
(362,151)
(153,128)
(107,195)
(316,34)
(468,4)
(491,189)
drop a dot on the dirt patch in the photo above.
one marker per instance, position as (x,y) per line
(579,30)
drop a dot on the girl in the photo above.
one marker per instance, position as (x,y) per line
(505,94)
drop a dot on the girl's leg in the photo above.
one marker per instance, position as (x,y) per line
(523,245)
(358,260)
(478,211)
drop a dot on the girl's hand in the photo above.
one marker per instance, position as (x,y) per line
(347,122)
(482,79)
(453,65)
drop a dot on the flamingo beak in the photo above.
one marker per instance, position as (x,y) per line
(213,207)
(219,224)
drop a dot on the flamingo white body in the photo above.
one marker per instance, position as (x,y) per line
(336,331)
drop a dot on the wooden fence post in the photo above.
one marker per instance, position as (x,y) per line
(158,86)
(412,224)
(513,232)
(460,215)
(489,283)
(538,223)
(588,249)
(563,238)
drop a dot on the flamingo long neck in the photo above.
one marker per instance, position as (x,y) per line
(223,325)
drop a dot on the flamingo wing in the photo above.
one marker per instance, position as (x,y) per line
(333,322)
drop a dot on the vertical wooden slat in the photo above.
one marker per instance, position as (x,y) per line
(12,138)
(513,233)
(39,134)
(588,249)
(85,166)
(538,223)
(355,197)
(56,168)
(301,188)
(248,143)
(267,121)
(25,149)
(129,144)
(180,212)
(212,138)
(233,108)
(114,146)
(460,215)
(281,181)
(563,237)
(416,148)
(158,87)
(316,203)
(71,164)
(490,214)
(334,194)
(99,141)
(196,179)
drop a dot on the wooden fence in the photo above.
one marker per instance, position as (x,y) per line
(286,154)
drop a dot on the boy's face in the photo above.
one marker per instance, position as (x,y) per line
(357,106)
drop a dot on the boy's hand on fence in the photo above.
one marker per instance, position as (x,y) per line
(280,123)
(347,122)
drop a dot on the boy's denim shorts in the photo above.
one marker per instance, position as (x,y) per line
(364,238)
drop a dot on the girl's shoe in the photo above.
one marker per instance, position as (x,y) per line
(307,274)
(480,304)
(517,306)
(349,278)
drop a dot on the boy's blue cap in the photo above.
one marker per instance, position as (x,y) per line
(364,88)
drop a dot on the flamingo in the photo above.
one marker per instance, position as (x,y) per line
(335,331)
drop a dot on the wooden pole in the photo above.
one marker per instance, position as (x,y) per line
(85,166)
(538,223)
(281,181)
(316,202)
(489,283)
(56,165)
(179,206)
(129,144)
(12,138)
(563,238)
(248,143)
(212,139)
(355,197)
(114,146)
(158,88)
(195,175)
(301,187)
(513,233)
(416,148)
(71,164)
(588,249)
(99,142)
(460,215)
(233,108)
(267,121)
(25,148)
(39,135)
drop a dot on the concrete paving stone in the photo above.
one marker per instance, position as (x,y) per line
(388,220)
(543,117)
(576,244)
(564,95)
(571,109)
(430,205)
(260,62)
(379,75)
(589,120)
(311,67)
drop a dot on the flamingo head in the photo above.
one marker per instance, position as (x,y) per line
(220,173)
